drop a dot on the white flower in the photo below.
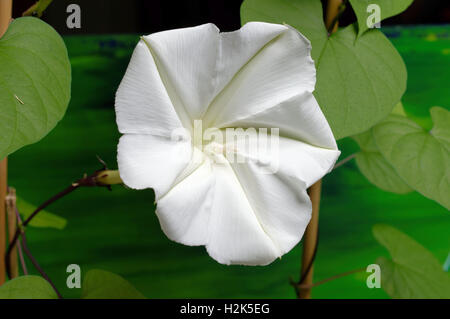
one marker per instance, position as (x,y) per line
(261,76)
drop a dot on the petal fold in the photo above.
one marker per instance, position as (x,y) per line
(235,234)
(147,161)
(142,104)
(184,211)
(282,69)
(186,60)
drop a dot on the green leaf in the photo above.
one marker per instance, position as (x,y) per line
(420,158)
(388,8)
(44,219)
(27,287)
(35,81)
(375,167)
(441,128)
(101,284)
(304,15)
(413,271)
(359,79)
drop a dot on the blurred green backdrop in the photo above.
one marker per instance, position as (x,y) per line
(118,231)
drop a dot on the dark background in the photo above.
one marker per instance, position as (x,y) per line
(144,17)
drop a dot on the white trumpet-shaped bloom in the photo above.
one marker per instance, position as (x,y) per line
(261,76)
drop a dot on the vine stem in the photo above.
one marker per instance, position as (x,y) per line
(321,282)
(22,260)
(335,8)
(12,227)
(5,18)
(3,192)
(311,236)
(37,266)
(345,160)
(103,177)
(310,243)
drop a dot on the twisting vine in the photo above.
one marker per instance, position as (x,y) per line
(102,178)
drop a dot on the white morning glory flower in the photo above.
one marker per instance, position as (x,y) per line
(261,76)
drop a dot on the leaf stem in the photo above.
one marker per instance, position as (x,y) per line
(310,242)
(335,9)
(37,9)
(22,260)
(101,178)
(345,160)
(37,266)
(311,236)
(3,192)
(300,286)
(98,178)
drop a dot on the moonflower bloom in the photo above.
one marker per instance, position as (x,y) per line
(261,76)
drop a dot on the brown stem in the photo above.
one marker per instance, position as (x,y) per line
(37,266)
(332,15)
(310,240)
(22,260)
(53,199)
(321,282)
(5,18)
(98,178)
(12,227)
(345,160)
(37,9)
(3,191)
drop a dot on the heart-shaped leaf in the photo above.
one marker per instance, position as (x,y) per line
(34,83)
(421,158)
(359,79)
(27,287)
(387,8)
(375,167)
(101,284)
(413,271)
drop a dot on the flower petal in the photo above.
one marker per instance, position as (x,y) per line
(240,46)
(285,156)
(279,202)
(142,103)
(184,211)
(147,161)
(186,60)
(281,69)
(236,236)
(299,118)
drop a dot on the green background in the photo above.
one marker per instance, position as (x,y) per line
(118,231)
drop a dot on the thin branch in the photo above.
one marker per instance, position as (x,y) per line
(335,20)
(98,178)
(12,227)
(321,282)
(21,258)
(37,266)
(53,199)
(345,160)
(21,227)
(37,9)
